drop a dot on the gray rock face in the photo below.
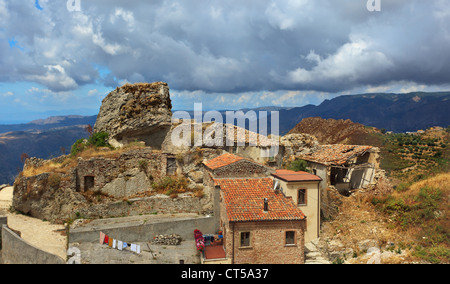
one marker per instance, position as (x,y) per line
(138,112)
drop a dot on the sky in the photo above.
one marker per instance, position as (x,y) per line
(61,57)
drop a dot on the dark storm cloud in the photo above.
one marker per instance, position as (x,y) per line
(226,46)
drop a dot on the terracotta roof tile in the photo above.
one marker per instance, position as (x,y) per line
(338,154)
(222,161)
(292,176)
(244,201)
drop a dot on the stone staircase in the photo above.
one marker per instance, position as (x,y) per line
(313,254)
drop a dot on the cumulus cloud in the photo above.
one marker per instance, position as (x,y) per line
(354,62)
(226,46)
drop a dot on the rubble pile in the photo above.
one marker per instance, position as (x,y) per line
(168,240)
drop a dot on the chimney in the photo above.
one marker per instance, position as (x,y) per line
(266,205)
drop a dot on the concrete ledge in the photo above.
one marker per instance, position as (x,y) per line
(3,221)
(144,230)
(15,250)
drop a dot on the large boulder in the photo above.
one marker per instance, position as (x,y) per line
(136,112)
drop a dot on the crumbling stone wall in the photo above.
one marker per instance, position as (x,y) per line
(97,187)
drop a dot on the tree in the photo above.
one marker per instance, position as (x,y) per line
(89,130)
(298,166)
(24,157)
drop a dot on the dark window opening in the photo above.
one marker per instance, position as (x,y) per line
(245,239)
(171,166)
(302,197)
(290,237)
(89,183)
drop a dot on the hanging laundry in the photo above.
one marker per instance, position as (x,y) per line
(110,243)
(125,245)
(136,248)
(120,245)
(114,244)
(106,239)
(102,238)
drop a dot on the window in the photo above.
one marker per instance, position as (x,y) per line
(301,197)
(245,239)
(290,238)
(171,166)
(89,183)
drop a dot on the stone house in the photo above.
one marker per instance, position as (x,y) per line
(260,225)
(345,167)
(304,190)
(233,166)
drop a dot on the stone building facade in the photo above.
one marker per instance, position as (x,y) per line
(259,225)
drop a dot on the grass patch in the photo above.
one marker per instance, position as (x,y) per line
(420,211)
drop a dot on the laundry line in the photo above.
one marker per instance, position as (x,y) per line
(118,244)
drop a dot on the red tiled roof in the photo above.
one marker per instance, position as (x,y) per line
(222,161)
(292,176)
(337,154)
(244,201)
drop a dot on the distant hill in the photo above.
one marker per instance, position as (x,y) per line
(393,112)
(332,131)
(42,139)
(399,113)
(50,123)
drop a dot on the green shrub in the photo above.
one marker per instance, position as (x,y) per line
(99,139)
(78,147)
(298,165)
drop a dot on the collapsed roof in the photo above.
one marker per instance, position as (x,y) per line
(338,154)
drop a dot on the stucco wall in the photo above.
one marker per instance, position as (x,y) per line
(311,209)
(146,231)
(17,251)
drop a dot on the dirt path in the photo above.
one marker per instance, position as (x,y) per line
(38,233)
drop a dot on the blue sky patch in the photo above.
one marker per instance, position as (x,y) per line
(38,6)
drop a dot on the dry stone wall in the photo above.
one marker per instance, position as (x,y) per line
(102,187)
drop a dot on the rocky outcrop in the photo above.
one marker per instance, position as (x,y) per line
(138,112)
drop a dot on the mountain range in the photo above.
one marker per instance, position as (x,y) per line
(393,112)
